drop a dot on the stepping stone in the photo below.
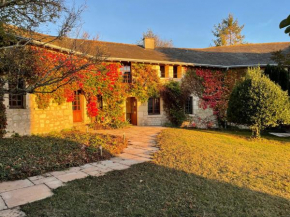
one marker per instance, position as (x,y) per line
(26,195)
(2,204)
(59,173)
(54,184)
(120,167)
(10,186)
(44,180)
(129,162)
(72,176)
(96,173)
(16,212)
(90,169)
(127,156)
(117,159)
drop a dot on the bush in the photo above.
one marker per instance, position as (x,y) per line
(258,102)
(173,103)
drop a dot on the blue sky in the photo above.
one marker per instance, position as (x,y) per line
(187,22)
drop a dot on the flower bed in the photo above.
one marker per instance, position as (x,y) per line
(22,157)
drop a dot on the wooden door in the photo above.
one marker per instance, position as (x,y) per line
(76,105)
(131,110)
(134,111)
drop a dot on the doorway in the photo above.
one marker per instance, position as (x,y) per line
(131,110)
(77,108)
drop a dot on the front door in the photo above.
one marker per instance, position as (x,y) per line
(131,110)
(76,105)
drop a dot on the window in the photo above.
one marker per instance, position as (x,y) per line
(188,106)
(17,101)
(162,71)
(175,74)
(154,106)
(126,72)
(100,102)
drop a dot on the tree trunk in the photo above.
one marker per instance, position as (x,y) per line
(3,118)
(256,132)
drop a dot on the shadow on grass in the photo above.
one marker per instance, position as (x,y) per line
(152,190)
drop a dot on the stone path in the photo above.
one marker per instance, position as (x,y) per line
(281,134)
(140,149)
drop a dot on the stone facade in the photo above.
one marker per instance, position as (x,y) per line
(32,120)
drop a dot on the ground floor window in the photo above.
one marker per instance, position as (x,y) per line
(188,106)
(16,101)
(154,106)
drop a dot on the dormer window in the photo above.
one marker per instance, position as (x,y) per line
(126,72)
(175,72)
(162,71)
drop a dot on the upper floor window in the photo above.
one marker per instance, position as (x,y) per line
(16,101)
(189,106)
(126,72)
(162,71)
(175,73)
(154,106)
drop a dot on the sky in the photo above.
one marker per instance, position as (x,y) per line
(188,23)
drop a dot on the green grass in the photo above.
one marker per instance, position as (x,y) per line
(21,157)
(196,173)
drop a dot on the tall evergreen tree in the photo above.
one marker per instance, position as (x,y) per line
(228,32)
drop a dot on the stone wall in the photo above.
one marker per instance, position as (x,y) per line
(54,118)
(18,120)
(32,120)
(143,119)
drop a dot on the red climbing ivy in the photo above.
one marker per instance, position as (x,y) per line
(213,87)
(96,80)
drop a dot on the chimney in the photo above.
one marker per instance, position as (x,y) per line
(149,43)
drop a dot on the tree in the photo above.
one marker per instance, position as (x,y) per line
(174,100)
(285,24)
(259,103)
(228,32)
(158,41)
(278,75)
(19,22)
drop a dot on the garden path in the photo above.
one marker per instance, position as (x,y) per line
(142,144)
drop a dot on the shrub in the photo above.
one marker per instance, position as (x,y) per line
(258,102)
(173,103)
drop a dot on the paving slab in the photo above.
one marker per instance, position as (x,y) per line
(26,195)
(13,185)
(129,162)
(120,167)
(16,212)
(72,176)
(2,204)
(54,184)
(44,180)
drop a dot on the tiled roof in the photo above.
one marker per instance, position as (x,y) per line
(225,56)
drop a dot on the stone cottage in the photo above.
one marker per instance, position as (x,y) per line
(171,63)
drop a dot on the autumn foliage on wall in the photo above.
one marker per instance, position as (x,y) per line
(95,80)
(214,88)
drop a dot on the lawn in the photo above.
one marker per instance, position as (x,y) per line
(21,157)
(196,173)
